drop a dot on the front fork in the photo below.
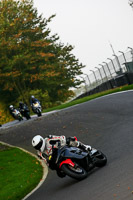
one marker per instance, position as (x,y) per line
(67,162)
(93,155)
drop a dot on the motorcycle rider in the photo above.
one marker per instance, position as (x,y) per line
(33,100)
(36,106)
(21,105)
(12,110)
(23,108)
(45,146)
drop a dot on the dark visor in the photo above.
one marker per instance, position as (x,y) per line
(39,145)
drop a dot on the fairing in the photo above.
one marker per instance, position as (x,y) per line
(71,152)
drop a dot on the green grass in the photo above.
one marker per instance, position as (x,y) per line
(19,173)
(88,98)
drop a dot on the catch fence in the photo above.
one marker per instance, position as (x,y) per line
(109,71)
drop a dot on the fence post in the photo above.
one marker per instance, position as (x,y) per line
(84,83)
(118,62)
(108,69)
(105,74)
(123,55)
(112,64)
(94,76)
(100,74)
(88,79)
(131,51)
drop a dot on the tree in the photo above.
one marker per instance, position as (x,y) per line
(32,59)
(67,68)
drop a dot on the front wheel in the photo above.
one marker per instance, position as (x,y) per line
(100,159)
(75,172)
(28,116)
(20,118)
(39,113)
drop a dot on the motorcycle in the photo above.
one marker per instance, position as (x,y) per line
(74,162)
(25,112)
(36,107)
(17,115)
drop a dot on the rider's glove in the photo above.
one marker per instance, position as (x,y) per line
(84,147)
(87,147)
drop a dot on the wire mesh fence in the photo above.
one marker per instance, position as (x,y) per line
(113,68)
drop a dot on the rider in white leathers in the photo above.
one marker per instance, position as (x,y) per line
(45,146)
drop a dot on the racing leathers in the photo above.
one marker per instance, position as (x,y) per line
(53,142)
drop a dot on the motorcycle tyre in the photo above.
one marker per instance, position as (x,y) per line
(28,117)
(61,174)
(39,114)
(78,176)
(102,160)
(20,119)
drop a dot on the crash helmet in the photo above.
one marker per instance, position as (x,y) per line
(20,103)
(11,107)
(38,142)
(32,97)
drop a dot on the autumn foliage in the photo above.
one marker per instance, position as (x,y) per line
(31,58)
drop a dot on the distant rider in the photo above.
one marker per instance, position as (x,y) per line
(24,110)
(21,105)
(12,110)
(33,100)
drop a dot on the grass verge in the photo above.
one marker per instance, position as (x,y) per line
(88,98)
(19,173)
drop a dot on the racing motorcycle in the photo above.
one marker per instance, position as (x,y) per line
(74,162)
(25,112)
(36,107)
(17,115)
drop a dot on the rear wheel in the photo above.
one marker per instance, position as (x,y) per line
(101,159)
(75,172)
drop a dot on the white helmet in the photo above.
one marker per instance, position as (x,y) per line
(11,107)
(33,97)
(38,142)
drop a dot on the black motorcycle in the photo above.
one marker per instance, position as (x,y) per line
(25,111)
(75,162)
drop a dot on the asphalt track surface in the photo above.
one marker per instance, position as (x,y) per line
(105,123)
